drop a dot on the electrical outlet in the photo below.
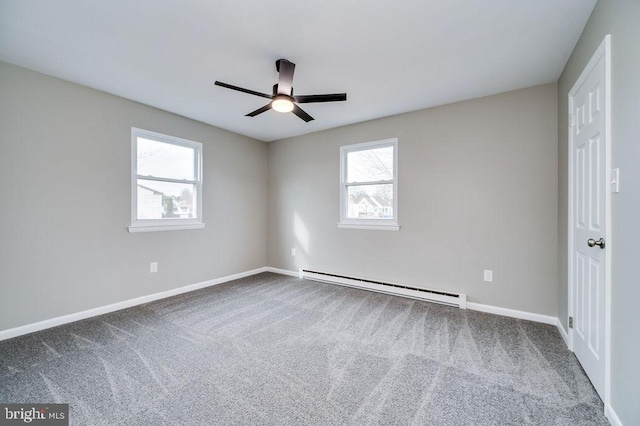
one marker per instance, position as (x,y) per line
(488,275)
(293,252)
(153,268)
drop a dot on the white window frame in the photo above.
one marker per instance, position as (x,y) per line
(147,225)
(373,224)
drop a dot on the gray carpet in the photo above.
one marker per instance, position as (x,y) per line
(276,350)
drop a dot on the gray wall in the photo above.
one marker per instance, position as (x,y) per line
(65,189)
(620,18)
(477,189)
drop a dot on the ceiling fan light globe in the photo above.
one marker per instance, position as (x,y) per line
(282,105)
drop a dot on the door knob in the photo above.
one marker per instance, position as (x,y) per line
(592,243)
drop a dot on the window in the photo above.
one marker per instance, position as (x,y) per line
(166,182)
(369,185)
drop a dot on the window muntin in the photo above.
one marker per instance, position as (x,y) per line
(166,182)
(369,184)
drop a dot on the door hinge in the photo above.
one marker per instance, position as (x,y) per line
(570,322)
(570,120)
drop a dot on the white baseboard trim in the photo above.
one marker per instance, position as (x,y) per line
(506,312)
(563,333)
(283,272)
(65,319)
(611,416)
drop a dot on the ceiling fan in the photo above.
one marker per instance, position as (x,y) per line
(283,99)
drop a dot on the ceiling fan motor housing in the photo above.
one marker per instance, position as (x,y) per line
(275,90)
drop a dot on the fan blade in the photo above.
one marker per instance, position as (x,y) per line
(285,80)
(334,97)
(300,113)
(240,89)
(267,107)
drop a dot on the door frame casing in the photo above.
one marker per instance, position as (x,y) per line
(602,52)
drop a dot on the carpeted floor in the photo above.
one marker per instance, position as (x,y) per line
(276,350)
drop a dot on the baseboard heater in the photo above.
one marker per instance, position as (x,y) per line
(445,298)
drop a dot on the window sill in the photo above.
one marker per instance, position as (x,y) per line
(370,226)
(153,228)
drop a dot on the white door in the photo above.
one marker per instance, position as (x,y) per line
(589,246)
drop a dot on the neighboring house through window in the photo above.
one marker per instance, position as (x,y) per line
(369,185)
(166,182)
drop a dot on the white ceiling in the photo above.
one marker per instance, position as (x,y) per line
(389,56)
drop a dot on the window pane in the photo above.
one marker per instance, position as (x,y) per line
(165,160)
(370,201)
(370,165)
(165,200)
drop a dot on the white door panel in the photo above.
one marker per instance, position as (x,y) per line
(589,190)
